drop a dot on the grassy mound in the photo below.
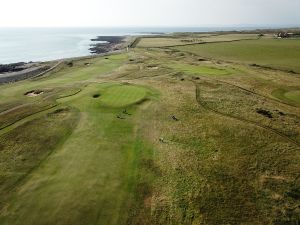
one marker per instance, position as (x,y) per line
(289,95)
(293,96)
(123,95)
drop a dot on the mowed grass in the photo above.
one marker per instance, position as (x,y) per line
(23,149)
(122,95)
(288,94)
(294,96)
(280,54)
(201,69)
(92,177)
(66,76)
(229,37)
(148,42)
(87,178)
(165,41)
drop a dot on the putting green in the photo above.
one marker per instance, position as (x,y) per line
(291,96)
(122,95)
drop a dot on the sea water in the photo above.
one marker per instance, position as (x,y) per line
(44,44)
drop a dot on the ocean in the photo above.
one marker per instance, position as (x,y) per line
(44,44)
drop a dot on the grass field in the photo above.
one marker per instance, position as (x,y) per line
(202,70)
(291,94)
(155,136)
(280,54)
(148,42)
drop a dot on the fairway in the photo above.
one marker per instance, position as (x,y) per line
(122,95)
(202,70)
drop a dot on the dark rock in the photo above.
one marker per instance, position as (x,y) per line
(13,67)
(70,64)
(110,43)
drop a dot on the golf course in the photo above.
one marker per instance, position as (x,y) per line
(178,129)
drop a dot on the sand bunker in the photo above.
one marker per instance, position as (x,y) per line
(33,93)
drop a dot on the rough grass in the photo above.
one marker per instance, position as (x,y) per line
(23,149)
(217,170)
(280,54)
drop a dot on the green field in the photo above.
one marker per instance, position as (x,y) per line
(279,54)
(202,70)
(291,94)
(155,42)
(185,135)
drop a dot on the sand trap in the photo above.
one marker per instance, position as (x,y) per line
(33,93)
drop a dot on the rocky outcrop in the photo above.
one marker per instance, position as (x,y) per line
(13,67)
(108,43)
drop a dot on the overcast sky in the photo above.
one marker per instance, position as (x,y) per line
(148,12)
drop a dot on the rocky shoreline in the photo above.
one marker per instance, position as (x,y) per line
(108,44)
(20,71)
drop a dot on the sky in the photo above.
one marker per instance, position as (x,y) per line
(144,13)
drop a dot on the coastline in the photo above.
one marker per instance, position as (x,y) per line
(14,72)
(101,46)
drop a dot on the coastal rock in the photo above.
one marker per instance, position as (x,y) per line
(108,43)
